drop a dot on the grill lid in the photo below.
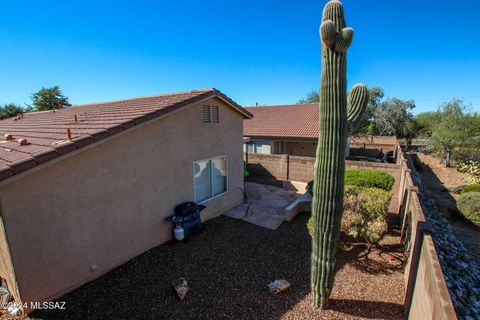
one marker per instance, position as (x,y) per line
(188,208)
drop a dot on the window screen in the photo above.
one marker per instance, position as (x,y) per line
(210,178)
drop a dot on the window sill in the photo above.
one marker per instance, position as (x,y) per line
(213,198)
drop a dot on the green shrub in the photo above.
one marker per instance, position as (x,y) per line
(352,190)
(365,213)
(469,206)
(364,178)
(474,187)
(369,179)
(374,203)
(470,166)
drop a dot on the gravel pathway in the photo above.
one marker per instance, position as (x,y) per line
(228,266)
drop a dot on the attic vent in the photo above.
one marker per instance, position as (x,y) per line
(206,114)
(215,115)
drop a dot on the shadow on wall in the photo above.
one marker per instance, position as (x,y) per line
(260,174)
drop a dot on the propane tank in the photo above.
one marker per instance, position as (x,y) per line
(179,233)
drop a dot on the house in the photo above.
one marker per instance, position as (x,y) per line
(293,130)
(86,188)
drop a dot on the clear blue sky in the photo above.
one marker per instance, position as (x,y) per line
(265,51)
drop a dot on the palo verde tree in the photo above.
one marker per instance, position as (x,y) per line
(392,117)
(338,117)
(49,98)
(454,128)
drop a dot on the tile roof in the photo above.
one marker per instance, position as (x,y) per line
(296,121)
(286,121)
(47,132)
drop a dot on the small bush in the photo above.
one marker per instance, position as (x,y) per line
(469,166)
(474,187)
(369,179)
(469,206)
(374,203)
(375,230)
(352,190)
(364,179)
(365,213)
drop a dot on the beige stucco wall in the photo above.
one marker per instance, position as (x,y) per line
(107,204)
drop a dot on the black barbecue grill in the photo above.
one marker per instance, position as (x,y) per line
(187,215)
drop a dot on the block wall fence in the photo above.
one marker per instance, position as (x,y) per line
(295,168)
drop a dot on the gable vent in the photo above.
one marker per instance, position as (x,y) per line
(206,114)
(215,114)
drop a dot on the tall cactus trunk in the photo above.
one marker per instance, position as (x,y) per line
(338,116)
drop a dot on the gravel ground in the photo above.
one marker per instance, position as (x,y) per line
(228,266)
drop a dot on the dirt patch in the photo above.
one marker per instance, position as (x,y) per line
(228,267)
(438,180)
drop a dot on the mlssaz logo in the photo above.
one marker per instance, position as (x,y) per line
(60,305)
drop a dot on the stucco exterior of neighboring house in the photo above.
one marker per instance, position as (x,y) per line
(92,188)
(293,130)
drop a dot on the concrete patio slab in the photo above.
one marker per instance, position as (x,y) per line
(264,206)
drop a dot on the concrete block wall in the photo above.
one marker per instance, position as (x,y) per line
(267,165)
(296,168)
(301,168)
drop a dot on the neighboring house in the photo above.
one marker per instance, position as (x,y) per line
(93,185)
(293,130)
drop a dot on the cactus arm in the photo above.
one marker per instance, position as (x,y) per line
(356,104)
(344,40)
(328,33)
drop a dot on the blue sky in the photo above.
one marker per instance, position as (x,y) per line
(254,51)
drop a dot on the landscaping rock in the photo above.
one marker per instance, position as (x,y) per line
(278,286)
(181,287)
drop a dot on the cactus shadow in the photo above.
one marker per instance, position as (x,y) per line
(366,309)
(384,258)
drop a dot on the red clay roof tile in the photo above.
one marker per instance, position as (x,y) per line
(46,131)
(286,121)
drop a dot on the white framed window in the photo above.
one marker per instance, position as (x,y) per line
(259,146)
(210,178)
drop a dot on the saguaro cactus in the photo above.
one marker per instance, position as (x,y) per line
(338,117)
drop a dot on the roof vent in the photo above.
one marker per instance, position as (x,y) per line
(206,114)
(8,137)
(215,114)
(23,142)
